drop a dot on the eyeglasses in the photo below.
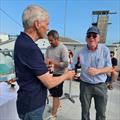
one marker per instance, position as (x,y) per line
(91,35)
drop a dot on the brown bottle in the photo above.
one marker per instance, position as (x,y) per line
(78,67)
(51,68)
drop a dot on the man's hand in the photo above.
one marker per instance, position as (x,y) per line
(48,61)
(70,74)
(92,71)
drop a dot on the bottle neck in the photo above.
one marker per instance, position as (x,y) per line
(78,61)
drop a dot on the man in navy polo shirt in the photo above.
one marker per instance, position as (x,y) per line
(31,71)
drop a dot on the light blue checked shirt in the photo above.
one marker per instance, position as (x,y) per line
(99,58)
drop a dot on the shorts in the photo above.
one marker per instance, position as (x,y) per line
(58,90)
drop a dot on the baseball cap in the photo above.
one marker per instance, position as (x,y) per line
(93,29)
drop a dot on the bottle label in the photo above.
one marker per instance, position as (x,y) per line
(78,72)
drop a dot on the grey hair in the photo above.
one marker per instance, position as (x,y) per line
(32,13)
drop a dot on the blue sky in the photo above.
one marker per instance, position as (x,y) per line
(78,16)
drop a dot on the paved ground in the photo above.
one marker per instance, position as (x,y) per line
(72,111)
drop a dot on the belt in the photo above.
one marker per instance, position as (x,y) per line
(92,83)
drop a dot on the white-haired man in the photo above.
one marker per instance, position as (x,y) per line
(31,71)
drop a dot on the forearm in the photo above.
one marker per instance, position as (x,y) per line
(95,71)
(57,80)
(105,70)
(51,82)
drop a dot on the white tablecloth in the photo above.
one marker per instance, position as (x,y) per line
(7,77)
(8,102)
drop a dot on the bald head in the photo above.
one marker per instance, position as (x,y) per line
(32,13)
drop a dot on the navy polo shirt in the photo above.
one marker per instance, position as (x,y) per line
(29,63)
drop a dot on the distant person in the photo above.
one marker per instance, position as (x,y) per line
(70,57)
(31,71)
(119,76)
(114,65)
(56,54)
(95,63)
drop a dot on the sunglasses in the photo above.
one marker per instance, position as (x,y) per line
(91,35)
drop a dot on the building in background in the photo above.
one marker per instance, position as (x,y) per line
(72,45)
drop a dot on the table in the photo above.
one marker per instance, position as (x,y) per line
(6,77)
(8,97)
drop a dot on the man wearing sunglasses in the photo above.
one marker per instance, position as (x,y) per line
(95,63)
